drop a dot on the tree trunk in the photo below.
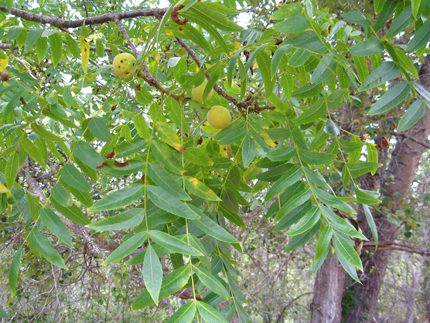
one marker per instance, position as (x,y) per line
(328,291)
(329,284)
(400,174)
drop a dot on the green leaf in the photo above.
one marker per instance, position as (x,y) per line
(384,73)
(172,243)
(308,90)
(41,132)
(185,314)
(287,11)
(385,14)
(364,197)
(292,25)
(303,39)
(152,273)
(301,239)
(306,222)
(32,37)
(122,221)
(13,103)
(350,146)
(197,156)
(370,46)
(129,147)
(99,129)
(74,178)
(167,182)
(277,57)
(67,97)
(56,42)
(55,225)
(282,154)
(207,26)
(211,282)
(170,285)
(61,195)
(126,248)
(356,17)
(166,157)
(372,224)
(194,186)
(264,64)
(45,249)
(87,154)
(286,180)
(347,251)
(120,198)
(412,116)
(340,224)
(131,167)
(41,47)
(396,95)
(362,67)
(358,169)
(100,49)
(333,201)
(422,91)
(83,197)
(404,61)
(323,242)
(3,314)
(164,200)
(210,227)
(300,56)
(14,270)
(323,70)
(141,127)
(214,17)
(350,269)
(11,170)
(293,202)
(73,213)
(415,7)
(400,23)
(210,314)
(168,135)
(248,151)
(251,60)
(318,110)
(315,158)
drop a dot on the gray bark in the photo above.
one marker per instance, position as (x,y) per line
(328,291)
(403,163)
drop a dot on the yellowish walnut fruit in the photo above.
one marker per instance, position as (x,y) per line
(198,92)
(123,65)
(219,117)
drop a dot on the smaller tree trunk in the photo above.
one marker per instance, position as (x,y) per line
(328,292)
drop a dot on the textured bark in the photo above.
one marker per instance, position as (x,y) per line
(402,167)
(328,291)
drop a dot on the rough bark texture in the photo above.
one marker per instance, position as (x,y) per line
(403,163)
(328,291)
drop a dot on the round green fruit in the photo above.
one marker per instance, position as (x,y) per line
(219,117)
(198,92)
(123,65)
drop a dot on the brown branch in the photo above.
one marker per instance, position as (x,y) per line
(62,23)
(401,134)
(127,37)
(394,246)
(288,305)
(217,88)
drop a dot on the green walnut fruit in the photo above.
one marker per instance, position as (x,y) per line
(219,117)
(198,92)
(123,65)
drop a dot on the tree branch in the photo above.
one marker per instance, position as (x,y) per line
(394,246)
(96,20)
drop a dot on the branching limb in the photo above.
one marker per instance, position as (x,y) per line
(96,20)
(394,246)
